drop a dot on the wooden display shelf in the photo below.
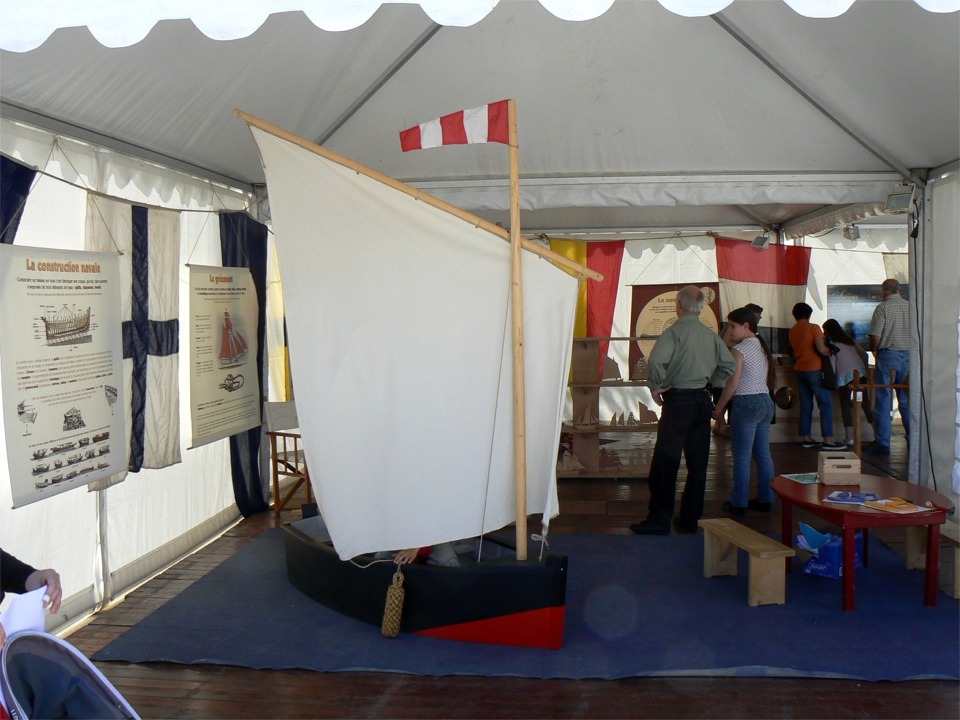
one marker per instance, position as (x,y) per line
(605,473)
(585,427)
(608,383)
(607,428)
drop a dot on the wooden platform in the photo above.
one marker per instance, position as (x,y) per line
(160,690)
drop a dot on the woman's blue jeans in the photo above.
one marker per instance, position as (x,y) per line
(750,417)
(808,383)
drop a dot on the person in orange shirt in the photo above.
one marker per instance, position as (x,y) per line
(808,345)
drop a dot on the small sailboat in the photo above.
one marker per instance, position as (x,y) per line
(233,348)
(451,338)
(110,393)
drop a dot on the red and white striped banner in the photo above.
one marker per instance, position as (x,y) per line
(487,123)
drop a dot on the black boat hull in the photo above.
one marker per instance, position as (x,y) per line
(500,601)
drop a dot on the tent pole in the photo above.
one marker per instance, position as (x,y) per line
(516,303)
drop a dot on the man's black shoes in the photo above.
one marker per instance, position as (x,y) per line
(683,528)
(646,528)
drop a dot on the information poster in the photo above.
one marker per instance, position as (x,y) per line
(852,306)
(654,309)
(62,369)
(224,386)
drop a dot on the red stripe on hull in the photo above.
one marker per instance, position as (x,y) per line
(534,628)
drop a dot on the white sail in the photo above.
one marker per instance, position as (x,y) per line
(398,321)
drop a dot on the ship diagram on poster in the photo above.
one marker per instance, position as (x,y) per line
(224,387)
(62,368)
(654,309)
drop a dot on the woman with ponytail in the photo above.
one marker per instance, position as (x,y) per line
(751,412)
(849,358)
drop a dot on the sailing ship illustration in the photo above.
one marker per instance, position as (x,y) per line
(111,394)
(27,415)
(63,447)
(73,420)
(100,437)
(46,482)
(496,596)
(39,453)
(66,325)
(233,348)
(41,468)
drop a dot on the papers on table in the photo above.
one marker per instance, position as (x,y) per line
(803,478)
(850,498)
(896,505)
(869,499)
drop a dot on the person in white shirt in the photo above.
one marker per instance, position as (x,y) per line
(751,412)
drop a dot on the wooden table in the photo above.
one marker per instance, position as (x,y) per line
(851,518)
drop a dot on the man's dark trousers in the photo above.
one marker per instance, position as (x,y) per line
(684,427)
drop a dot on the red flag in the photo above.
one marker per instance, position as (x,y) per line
(774,278)
(606,258)
(487,123)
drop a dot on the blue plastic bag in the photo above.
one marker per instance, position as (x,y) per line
(827,552)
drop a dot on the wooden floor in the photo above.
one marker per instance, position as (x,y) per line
(160,690)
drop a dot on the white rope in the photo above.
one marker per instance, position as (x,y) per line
(542,539)
(369,564)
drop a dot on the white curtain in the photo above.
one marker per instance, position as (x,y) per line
(937,456)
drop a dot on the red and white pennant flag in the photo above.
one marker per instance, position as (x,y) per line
(487,123)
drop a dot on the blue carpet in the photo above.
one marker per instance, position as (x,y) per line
(636,606)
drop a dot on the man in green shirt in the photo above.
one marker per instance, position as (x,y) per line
(685,358)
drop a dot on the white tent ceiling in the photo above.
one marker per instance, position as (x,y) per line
(638,118)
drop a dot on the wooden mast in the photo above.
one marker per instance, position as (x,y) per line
(516,302)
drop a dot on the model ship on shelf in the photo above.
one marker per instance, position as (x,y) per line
(432,482)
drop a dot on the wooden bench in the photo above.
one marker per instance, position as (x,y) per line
(917,549)
(722,537)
